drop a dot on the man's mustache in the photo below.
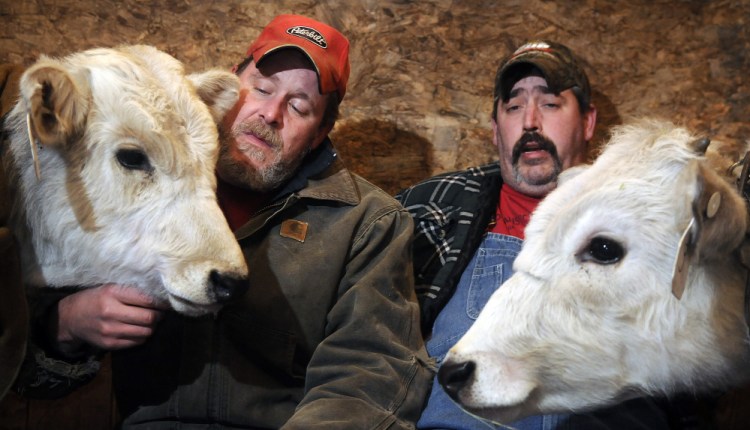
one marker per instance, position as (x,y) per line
(541,144)
(259,129)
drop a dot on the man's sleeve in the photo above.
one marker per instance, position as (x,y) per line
(372,369)
(45,373)
(14,317)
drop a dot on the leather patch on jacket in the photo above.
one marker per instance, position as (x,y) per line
(294,229)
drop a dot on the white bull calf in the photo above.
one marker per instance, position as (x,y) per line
(111,170)
(592,315)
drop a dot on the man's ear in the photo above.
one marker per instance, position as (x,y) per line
(589,119)
(320,136)
(56,103)
(493,121)
(218,89)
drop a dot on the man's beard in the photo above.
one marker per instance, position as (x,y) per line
(543,144)
(263,179)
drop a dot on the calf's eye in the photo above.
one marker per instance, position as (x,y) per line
(133,159)
(602,250)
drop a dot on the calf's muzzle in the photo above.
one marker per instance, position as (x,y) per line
(225,287)
(453,376)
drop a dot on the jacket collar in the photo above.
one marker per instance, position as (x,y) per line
(316,162)
(322,176)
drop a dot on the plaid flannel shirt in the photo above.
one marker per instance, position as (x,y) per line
(451,214)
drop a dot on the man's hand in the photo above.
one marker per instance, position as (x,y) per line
(109,317)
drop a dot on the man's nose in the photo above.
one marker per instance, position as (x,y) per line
(531,118)
(271,112)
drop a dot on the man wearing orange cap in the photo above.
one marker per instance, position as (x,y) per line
(327,335)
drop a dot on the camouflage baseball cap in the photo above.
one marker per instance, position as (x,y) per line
(556,62)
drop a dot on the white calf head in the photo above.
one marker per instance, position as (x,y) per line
(589,317)
(127,145)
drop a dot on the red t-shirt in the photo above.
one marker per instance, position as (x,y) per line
(513,212)
(238,204)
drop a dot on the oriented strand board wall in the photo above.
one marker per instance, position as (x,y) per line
(420,91)
(426,67)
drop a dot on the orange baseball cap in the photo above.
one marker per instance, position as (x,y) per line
(326,47)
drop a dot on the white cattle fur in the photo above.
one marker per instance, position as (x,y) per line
(88,219)
(566,333)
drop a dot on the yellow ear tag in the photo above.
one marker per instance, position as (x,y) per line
(713,205)
(681,264)
(32,144)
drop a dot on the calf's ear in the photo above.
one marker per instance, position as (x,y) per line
(720,214)
(218,89)
(56,103)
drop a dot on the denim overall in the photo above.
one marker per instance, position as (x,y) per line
(491,265)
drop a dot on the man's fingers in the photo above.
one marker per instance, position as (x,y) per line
(111,317)
(135,297)
(125,331)
(142,317)
(127,305)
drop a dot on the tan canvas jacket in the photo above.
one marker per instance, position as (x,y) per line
(327,335)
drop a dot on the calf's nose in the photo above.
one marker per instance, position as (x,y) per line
(226,287)
(453,376)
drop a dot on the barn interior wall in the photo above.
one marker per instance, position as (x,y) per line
(419,98)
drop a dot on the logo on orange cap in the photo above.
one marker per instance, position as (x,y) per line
(308,33)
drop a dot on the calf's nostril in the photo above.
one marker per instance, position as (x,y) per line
(453,376)
(227,287)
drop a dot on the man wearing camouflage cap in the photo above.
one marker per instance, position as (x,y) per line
(470,224)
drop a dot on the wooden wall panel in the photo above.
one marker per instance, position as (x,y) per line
(419,98)
(427,67)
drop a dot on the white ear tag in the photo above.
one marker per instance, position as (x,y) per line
(713,205)
(681,264)
(32,144)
